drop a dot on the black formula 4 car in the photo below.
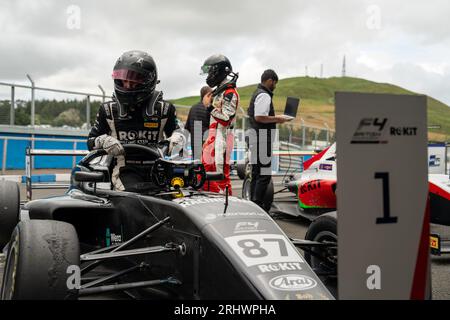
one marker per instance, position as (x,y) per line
(165,240)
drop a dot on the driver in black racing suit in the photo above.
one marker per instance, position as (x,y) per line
(137,114)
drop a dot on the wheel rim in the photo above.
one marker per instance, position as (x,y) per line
(316,263)
(9,279)
(246,190)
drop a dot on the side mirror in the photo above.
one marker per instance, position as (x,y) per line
(214,176)
(83,176)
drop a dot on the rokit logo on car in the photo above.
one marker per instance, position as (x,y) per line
(292,282)
(373,131)
(281,266)
(310,186)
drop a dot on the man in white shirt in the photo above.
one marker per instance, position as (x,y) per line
(263,122)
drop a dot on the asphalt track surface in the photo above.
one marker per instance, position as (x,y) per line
(295,227)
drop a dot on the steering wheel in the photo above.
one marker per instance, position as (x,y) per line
(178,174)
(153,152)
(163,172)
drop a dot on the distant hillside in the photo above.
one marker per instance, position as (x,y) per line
(318,100)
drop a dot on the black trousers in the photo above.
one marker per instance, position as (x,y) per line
(261,162)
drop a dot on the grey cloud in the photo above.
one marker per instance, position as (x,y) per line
(284,35)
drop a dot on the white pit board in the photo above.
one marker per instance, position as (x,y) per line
(383,228)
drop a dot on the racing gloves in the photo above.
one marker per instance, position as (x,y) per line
(177,139)
(110,144)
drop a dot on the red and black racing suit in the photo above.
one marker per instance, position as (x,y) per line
(219,144)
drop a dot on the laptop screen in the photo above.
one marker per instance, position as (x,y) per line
(291,106)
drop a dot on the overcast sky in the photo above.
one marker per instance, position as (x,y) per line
(74,44)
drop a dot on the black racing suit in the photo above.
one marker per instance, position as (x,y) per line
(149,123)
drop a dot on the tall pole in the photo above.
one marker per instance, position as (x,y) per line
(13,105)
(303,133)
(32,100)
(88,111)
(344,67)
(321,70)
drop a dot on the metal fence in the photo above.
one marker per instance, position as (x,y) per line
(297,137)
(10,117)
(305,136)
(300,136)
(447,159)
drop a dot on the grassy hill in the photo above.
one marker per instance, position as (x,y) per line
(318,100)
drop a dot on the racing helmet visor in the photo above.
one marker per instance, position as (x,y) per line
(128,75)
(204,70)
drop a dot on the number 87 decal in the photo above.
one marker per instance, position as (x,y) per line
(384,176)
(252,248)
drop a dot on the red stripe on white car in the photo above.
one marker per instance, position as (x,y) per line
(420,281)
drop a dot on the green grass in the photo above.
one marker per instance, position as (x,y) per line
(318,100)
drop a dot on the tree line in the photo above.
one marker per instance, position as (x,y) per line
(55,113)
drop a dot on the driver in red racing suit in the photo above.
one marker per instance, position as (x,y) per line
(222,103)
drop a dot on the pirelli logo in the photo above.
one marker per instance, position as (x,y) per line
(151,124)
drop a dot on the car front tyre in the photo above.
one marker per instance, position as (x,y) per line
(37,260)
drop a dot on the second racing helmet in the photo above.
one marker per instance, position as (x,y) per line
(217,67)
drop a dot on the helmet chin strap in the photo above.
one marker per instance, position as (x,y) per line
(150,108)
(127,105)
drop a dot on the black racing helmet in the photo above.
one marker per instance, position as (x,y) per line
(139,69)
(217,67)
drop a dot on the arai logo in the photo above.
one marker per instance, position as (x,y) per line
(292,282)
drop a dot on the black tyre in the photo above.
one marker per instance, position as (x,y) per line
(241,170)
(323,229)
(9,210)
(246,188)
(38,255)
(268,197)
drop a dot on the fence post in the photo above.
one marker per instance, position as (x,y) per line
(243,118)
(88,112)
(290,134)
(13,104)
(328,133)
(103,93)
(303,133)
(74,158)
(32,147)
(32,101)
(5,152)
(315,139)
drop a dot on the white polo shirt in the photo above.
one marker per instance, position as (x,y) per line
(262,104)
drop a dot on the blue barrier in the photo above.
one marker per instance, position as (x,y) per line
(16,150)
